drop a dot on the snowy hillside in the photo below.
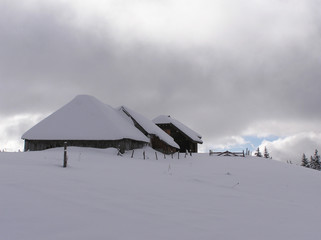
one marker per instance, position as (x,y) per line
(105,196)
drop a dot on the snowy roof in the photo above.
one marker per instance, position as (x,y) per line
(85,118)
(164,119)
(149,126)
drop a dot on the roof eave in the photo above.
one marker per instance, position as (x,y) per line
(192,140)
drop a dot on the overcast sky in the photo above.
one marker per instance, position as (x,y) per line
(236,72)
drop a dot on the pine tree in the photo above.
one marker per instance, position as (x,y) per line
(304,161)
(312,162)
(266,153)
(258,153)
(316,157)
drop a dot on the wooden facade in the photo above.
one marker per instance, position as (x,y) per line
(185,143)
(123,144)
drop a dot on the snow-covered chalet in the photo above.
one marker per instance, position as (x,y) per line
(87,122)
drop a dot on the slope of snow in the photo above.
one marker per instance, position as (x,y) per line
(150,126)
(84,118)
(163,119)
(104,196)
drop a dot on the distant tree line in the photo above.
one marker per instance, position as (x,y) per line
(313,163)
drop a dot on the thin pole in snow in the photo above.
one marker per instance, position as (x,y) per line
(65,155)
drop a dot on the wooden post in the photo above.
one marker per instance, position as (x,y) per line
(144,155)
(156,155)
(132,154)
(164,156)
(65,155)
(177,154)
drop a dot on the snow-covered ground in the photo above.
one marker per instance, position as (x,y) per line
(104,196)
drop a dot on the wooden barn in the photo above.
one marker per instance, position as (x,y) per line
(85,122)
(186,138)
(159,140)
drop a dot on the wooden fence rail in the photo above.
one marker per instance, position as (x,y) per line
(228,153)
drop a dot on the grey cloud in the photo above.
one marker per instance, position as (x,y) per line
(218,89)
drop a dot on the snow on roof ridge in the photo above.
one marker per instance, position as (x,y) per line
(149,126)
(166,119)
(84,118)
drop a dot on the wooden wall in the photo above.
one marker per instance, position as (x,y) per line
(161,146)
(123,144)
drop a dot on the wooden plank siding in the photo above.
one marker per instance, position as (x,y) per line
(123,144)
(160,145)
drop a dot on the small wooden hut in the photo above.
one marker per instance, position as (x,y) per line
(186,138)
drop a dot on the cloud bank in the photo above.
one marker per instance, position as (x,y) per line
(291,148)
(227,72)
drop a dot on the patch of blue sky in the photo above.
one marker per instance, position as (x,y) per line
(251,143)
(255,141)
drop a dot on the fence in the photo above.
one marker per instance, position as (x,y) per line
(228,153)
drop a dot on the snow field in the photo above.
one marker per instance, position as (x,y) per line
(104,196)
